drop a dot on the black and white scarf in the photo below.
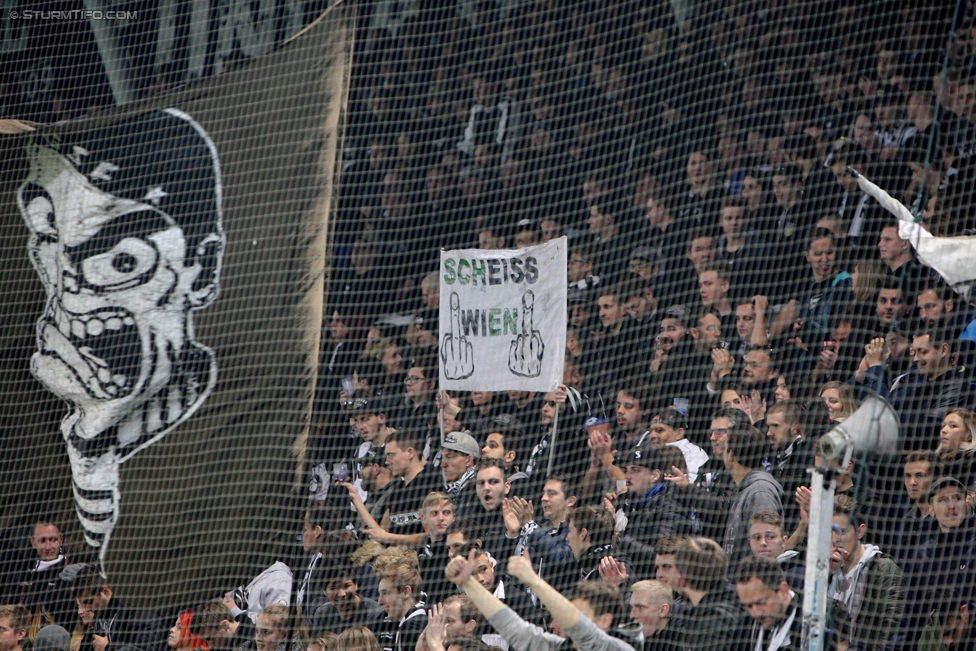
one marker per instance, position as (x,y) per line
(455,487)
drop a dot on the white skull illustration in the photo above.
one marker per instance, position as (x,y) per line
(127,239)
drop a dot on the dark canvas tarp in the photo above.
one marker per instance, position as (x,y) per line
(163,267)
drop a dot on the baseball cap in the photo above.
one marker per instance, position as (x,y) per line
(647,253)
(946,481)
(52,638)
(678,313)
(371,456)
(646,457)
(463,443)
(505,424)
(366,405)
(595,419)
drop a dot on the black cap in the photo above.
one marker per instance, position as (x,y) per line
(506,425)
(646,457)
(366,405)
(946,481)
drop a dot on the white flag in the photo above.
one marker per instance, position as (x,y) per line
(503,318)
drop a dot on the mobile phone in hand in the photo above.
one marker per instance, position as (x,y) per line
(340,472)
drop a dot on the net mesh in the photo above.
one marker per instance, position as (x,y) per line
(735,291)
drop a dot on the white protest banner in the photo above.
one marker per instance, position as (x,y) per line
(503,318)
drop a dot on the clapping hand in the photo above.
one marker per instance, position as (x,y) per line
(613,571)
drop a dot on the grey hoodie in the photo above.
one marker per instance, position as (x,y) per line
(523,636)
(757,492)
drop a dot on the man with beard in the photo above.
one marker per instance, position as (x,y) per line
(707,500)
(546,540)
(673,328)
(682,381)
(759,373)
(607,455)
(792,454)
(344,607)
(777,617)
(938,303)
(650,508)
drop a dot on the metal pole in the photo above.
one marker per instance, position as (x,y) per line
(822,489)
(552,443)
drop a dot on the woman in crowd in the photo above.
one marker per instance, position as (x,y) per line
(359,638)
(182,638)
(866,281)
(324,642)
(957,445)
(840,400)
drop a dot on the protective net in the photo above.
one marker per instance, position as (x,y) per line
(766,215)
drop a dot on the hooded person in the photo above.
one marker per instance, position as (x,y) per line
(758,491)
(866,580)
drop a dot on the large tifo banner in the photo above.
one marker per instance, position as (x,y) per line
(503,318)
(162,295)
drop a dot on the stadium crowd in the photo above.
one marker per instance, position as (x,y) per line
(733,295)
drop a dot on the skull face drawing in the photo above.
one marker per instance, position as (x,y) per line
(126,237)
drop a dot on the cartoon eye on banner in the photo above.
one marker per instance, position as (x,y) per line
(503,318)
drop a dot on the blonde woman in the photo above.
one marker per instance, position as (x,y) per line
(958,431)
(840,400)
(359,638)
(957,445)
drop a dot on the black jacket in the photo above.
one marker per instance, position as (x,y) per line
(707,502)
(45,587)
(789,468)
(433,558)
(127,627)
(326,618)
(713,625)
(649,519)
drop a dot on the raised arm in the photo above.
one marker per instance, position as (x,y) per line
(562,609)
